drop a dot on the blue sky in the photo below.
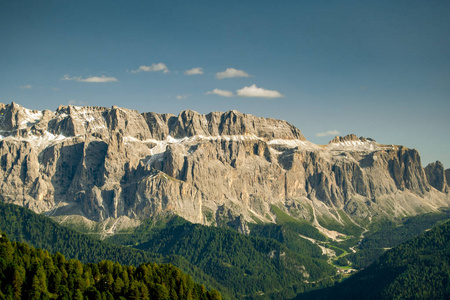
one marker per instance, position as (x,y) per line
(379,69)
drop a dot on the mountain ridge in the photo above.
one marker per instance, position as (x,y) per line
(217,168)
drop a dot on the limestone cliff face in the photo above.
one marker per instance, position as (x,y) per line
(190,123)
(447,176)
(436,176)
(213,169)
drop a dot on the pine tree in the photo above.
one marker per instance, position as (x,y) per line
(18,280)
(35,290)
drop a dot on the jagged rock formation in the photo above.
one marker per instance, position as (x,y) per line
(436,176)
(350,138)
(447,176)
(219,168)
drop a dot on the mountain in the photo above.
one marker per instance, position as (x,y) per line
(120,166)
(417,269)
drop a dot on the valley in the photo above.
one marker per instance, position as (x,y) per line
(220,258)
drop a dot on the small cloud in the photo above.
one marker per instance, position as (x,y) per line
(231,73)
(54,89)
(77,102)
(328,133)
(221,93)
(159,67)
(181,97)
(255,92)
(95,79)
(26,87)
(194,71)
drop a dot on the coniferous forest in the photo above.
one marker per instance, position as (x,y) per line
(416,269)
(270,259)
(247,265)
(30,273)
(220,258)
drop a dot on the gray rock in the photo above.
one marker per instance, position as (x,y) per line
(436,176)
(349,138)
(447,177)
(220,168)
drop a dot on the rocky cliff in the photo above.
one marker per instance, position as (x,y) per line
(228,167)
(436,176)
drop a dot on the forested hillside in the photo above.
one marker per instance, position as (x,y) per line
(30,273)
(252,267)
(273,262)
(387,234)
(23,225)
(417,269)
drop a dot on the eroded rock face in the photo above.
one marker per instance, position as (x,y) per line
(447,177)
(436,176)
(220,168)
(190,123)
(349,138)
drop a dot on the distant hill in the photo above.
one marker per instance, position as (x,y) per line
(417,269)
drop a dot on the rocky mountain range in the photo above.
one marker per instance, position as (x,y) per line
(220,168)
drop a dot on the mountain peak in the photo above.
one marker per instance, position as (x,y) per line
(70,120)
(350,138)
(436,176)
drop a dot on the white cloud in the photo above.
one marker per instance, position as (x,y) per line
(230,73)
(26,87)
(249,92)
(256,92)
(222,93)
(181,97)
(77,102)
(159,67)
(194,71)
(54,89)
(95,79)
(328,133)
